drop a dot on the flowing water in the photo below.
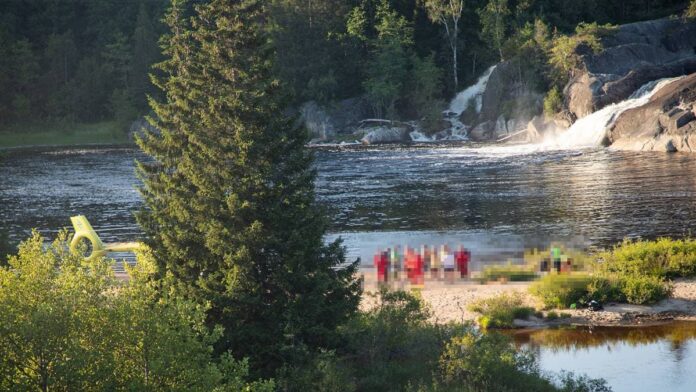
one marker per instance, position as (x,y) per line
(491,199)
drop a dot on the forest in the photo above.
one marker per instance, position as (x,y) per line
(82,61)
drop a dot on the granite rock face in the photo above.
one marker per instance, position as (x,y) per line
(667,122)
(635,54)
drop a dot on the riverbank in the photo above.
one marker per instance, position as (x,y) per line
(106,132)
(450,303)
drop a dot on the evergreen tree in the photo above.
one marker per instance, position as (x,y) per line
(230,205)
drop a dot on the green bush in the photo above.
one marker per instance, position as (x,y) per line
(559,291)
(664,257)
(489,362)
(605,289)
(553,102)
(552,315)
(500,311)
(513,273)
(643,289)
(392,344)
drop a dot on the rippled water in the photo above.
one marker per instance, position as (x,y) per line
(635,359)
(496,200)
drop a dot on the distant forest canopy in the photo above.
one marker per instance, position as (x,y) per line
(82,61)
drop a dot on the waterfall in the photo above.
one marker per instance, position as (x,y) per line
(589,131)
(461,102)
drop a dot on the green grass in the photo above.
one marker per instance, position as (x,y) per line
(107,132)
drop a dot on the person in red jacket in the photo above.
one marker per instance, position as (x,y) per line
(380,261)
(463,262)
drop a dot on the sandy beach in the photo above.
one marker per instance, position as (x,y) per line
(450,302)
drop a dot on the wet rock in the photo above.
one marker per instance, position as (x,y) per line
(564,119)
(384,135)
(667,122)
(634,55)
(483,131)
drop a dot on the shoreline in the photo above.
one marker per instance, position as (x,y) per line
(449,303)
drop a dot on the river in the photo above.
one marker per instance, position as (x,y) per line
(496,201)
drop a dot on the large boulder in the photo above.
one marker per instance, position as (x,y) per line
(509,91)
(635,54)
(667,122)
(386,134)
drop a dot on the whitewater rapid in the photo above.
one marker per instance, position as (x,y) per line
(587,132)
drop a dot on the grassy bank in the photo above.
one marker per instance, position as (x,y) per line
(107,132)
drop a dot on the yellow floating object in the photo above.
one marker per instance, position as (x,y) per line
(84,230)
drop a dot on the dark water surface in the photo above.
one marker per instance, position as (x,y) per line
(495,200)
(631,359)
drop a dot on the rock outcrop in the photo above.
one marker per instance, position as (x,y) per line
(667,122)
(635,54)
(342,117)
(386,134)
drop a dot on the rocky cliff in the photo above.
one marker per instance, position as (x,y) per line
(634,55)
(667,122)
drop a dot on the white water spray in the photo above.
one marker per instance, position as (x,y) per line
(589,131)
(461,102)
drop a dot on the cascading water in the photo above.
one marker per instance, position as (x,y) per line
(589,131)
(458,105)
(461,102)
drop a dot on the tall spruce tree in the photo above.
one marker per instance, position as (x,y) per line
(230,203)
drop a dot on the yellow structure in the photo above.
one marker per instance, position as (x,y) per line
(83,230)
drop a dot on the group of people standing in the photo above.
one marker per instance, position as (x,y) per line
(396,264)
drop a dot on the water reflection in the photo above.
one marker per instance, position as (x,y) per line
(649,358)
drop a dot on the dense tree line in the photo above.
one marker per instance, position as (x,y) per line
(78,60)
(86,61)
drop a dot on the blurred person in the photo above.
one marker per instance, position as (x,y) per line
(448,264)
(434,264)
(462,259)
(380,261)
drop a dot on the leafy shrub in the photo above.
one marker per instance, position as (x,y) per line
(664,257)
(500,311)
(69,324)
(559,291)
(489,362)
(393,344)
(605,289)
(510,272)
(553,102)
(552,315)
(644,289)
(562,55)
